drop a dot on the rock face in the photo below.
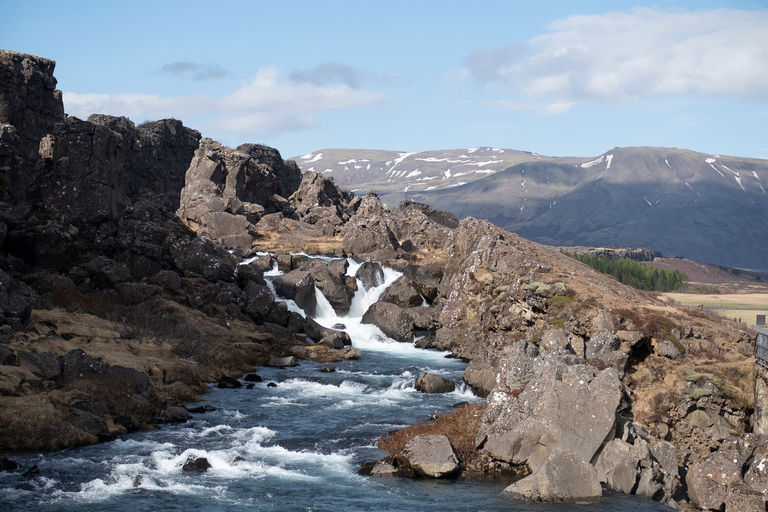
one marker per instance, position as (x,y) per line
(227,191)
(563,408)
(431,456)
(563,476)
(320,203)
(369,233)
(286,171)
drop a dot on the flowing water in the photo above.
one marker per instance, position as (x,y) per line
(296,446)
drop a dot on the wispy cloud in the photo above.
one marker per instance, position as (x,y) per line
(264,106)
(194,70)
(627,56)
(328,73)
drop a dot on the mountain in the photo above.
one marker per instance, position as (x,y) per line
(704,207)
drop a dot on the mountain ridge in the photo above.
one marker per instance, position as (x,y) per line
(681,202)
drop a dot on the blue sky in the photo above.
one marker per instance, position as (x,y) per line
(558,78)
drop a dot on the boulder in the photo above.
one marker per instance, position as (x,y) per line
(201,256)
(325,336)
(555,341)
(617,466)
(431,383)
(259,301)
(330,280)
(741,499)
(91,423)
(424,318)
(8,357)
(7,464)
(228,383)
(666,454)
(196,464)
(402,293)
(175,414)
(425,279)
(431,456)
(564,476)
(708,479)
(562,408)
(45,365)
(370,274)
(391,319)
(298,286)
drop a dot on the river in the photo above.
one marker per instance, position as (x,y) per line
(296,446)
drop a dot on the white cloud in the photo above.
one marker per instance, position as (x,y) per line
(263,106)
(625,56)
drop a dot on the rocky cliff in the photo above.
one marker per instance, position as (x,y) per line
(112,312)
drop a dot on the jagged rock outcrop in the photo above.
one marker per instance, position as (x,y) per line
(30,106)
(286,171)
(227,191)
(321,203)
(369,233)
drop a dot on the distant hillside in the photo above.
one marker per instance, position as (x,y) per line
(704,207)
(394,174)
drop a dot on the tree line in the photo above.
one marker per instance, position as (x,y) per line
(635,274)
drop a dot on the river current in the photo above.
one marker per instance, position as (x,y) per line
(296,446)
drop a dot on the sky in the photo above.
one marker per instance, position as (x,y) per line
(558,78)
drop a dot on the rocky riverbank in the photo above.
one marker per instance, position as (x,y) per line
(123,291)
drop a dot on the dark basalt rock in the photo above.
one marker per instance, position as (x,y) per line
(175,414)
(7,464)
(90,423)
(371,274)
(391,319)
(330,280)
(45,365)
(196,464)
(402,293)
(299,286)
(228,383)
(286,171)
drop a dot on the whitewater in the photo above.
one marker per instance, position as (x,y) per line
(294,442)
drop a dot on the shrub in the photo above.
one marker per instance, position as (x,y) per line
(459,426)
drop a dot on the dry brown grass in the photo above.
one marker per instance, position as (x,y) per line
(460,427)
(275,242)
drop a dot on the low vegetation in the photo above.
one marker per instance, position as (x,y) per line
(635,274)
(460,427)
